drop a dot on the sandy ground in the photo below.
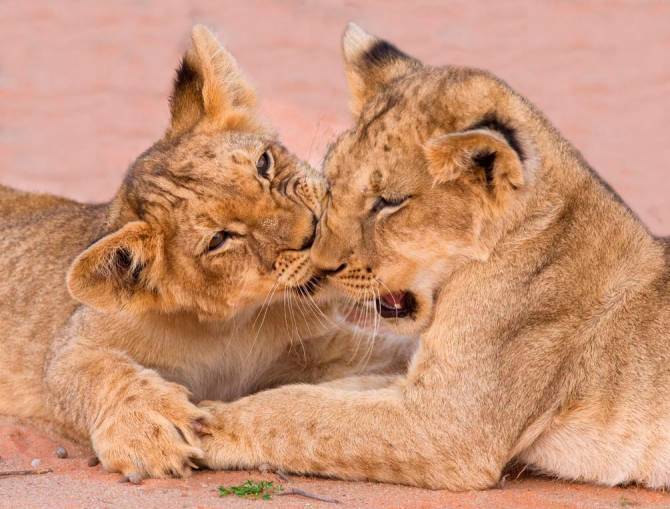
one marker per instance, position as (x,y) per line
(83,90)
(73,484)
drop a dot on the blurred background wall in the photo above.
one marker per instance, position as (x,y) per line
(84,85)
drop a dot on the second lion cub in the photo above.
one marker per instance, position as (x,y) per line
(543,302)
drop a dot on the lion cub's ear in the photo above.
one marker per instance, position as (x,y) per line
(114,272)
(481,155)
(370,64)
(209,86)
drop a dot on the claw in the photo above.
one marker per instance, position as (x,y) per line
(135,478)
(195,453)
(197,426)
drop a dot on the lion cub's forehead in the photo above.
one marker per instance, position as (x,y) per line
(203,147)
(393,128)
(174,180)
(226,159)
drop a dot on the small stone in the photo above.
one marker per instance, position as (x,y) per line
(61,452)
(93,461)
(36,463)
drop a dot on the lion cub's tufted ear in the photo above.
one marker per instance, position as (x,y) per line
(480,155)
(209,86)
(114,272)
(370,64)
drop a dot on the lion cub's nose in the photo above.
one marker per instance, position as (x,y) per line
(311,190)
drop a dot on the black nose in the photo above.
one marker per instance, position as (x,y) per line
(332,272)
(309,241)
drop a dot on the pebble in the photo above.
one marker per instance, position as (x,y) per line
(36,463)
(93,461)
(61,452)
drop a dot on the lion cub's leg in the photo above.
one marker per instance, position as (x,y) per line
(139,424)
(363,382)
(354,435)
(419,429)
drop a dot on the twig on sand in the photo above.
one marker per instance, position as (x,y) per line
(266,468)
(282,475)
(306,494)
(37,471)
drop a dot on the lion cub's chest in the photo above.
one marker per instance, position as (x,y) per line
(223,367)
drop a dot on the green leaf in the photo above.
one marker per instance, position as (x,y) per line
(252,489)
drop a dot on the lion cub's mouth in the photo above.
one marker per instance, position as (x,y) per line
(396,305)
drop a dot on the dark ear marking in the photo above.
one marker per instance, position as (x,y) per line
(123,264)
(122,260)
(186,75)
(492,122)
(382,53)
(186,105)
(485,161)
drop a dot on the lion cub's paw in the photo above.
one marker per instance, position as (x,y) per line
(220,439)
(152,433)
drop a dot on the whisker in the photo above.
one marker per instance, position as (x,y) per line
(314,137)
(296,329)
(310,309)
(375,330)
(267,297)
(289,332)
(360,329)
(267,307)
(301,309)
(329,322)
(380,282)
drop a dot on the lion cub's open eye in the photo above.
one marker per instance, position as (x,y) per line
(218,240)
(384,203)
(264,164)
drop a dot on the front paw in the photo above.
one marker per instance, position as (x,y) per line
(224,441)
(151,434)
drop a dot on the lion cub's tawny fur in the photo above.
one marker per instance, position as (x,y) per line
(544,303)
(212,222)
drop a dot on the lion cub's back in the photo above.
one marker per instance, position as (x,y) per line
(40,235)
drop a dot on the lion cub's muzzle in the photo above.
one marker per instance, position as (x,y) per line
(294,270)
(364,288)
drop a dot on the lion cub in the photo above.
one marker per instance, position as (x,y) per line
(193,279)
(543,302)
